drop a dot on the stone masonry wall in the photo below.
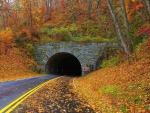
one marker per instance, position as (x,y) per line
(86,53)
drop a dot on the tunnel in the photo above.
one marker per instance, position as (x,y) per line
(64,64)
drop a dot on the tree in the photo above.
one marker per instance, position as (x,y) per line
(118,29)
(130,43)
(4,9)
(48,7)
(89,9)
(6,37)
(148,6)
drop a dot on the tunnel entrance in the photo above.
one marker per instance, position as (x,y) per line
(63,64)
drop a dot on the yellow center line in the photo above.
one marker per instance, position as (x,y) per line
(15,103)
(20,101)
(9,105)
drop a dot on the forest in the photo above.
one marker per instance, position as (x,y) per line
(121,85)
(24,22)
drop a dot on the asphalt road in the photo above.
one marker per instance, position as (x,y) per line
(56,96)
(10,91)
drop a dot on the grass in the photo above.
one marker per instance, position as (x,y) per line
(123,109)
(108,89)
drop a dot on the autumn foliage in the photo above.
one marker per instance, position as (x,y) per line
(6,37)
(132,7)
(123,88)
(115,89)
(15,66)
(143,30)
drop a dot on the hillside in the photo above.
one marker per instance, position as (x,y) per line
(14,66)
(123,88)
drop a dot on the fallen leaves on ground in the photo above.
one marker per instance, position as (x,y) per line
(55,97)
(120,89)
(14,66)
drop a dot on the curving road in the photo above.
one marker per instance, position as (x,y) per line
(9,91)
(56,97)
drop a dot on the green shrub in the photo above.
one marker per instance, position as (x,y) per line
(29,48)
(138,40)
(90,28)
(111,62)
(44,30)
(53,32)
(73,27)
(88,38)
(46,39)
(138,47)
(93,39)
(77,39)
(62,34)
(49,32)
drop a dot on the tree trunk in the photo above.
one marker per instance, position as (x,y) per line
(3,15)
(89,10)
(3,20)
(130,43)
(118,28)
(30,9)
(98,14)
(148,6)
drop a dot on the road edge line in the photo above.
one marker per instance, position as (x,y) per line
(21,100)
(14,103)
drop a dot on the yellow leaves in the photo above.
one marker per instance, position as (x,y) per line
(41,109)
(133,0)
(37,19)
(33,12)
(40,11)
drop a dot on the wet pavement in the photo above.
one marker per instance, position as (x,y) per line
(55,97)
(9,91)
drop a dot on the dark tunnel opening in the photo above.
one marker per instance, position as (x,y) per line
(64,64)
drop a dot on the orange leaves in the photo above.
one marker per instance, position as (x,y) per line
(139,6)
(42,9)
(14,66)
(132,81)
(6,35)
(131,7)
(127,3)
